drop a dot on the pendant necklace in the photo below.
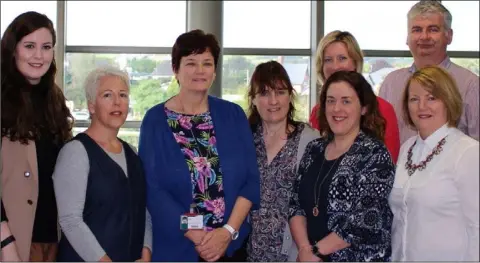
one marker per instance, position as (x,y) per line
(316,197)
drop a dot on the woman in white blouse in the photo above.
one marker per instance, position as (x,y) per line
(435,197)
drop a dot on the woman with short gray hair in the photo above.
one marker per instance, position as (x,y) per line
(99,181)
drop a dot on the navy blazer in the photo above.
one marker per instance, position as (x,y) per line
(169,188)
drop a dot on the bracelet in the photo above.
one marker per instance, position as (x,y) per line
(7,241)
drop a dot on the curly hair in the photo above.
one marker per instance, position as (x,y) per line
(272,75)
(20,120)
(372,122)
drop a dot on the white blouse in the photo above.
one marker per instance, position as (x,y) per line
(436,210)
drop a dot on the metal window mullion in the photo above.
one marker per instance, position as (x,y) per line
(60,45)
(317,32)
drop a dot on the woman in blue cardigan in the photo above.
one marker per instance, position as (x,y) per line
(199,157)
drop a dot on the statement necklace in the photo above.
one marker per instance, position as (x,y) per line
(411,168)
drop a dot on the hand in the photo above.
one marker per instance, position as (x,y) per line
(105,258)
(214,244)
(195,235)
(146,255)
(306,255)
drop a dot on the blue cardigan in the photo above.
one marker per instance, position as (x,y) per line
(169,189)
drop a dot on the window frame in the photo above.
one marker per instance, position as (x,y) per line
(194,20)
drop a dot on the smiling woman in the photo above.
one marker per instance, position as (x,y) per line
(93,166)
(35,124)
(35,54)
(198,152)
(437,173)
(351,159)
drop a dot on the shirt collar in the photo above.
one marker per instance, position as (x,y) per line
(432,140)
(444,64)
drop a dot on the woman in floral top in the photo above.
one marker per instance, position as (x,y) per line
(278,139)
(198,154)
(196,138)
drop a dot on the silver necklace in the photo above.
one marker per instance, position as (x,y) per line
(316,197)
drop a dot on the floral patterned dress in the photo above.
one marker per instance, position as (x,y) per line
(277,180)
(196,137)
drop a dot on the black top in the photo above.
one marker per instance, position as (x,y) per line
(320,170)
(45,223)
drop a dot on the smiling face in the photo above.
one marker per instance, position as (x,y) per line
(34,54)
(273,104)
(196,72)
(343,109)
(336,58)
(428,38)
(111,102)
(426,112)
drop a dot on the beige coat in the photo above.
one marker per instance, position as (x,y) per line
(19,173)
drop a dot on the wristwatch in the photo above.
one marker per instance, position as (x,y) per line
(317,253)
(232,231)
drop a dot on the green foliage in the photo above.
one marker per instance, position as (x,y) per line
(80,65)
(237,71)
(149,92)
(131,139)
(144,65)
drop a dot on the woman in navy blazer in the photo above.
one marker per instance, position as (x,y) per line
(197,149)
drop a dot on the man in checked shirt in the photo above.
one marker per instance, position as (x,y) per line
(429,34)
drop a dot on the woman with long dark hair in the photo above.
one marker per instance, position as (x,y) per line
(35,124)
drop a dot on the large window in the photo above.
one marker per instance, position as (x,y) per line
(375,69)
(465,27)
(137,36)
(237,71)
(266,24)
(124,23)
(11,9)
(151,80)
(377,25)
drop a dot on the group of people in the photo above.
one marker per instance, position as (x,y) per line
(393,177)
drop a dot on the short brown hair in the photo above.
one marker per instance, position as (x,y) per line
(442,86)
(350,42)
(372,122)
(194,42)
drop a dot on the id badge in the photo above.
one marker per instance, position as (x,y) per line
(191,221)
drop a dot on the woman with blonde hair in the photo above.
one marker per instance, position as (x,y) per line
(435,194)
(339,50)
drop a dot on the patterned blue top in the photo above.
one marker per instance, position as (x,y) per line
(196,138)
(357,202)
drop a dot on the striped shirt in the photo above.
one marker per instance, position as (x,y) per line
(468,86)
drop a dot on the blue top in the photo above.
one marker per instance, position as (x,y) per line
(169,188)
